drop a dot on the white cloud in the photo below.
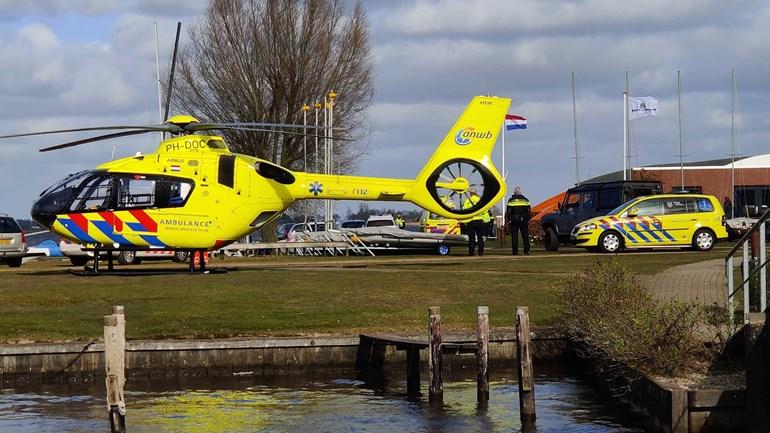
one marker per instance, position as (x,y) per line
(430,58)
(493,17)
(11,9)
(39,37)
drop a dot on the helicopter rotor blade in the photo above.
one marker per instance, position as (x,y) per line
(148,128)
(276,131)
(92,139)
(192,127)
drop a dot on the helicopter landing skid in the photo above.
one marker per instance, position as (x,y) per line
(93,270)
(89,272)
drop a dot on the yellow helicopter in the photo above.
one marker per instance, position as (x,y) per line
(192,193)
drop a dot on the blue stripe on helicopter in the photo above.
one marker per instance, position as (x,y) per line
(137,227)
(76,231)
(152,240)
(107,229)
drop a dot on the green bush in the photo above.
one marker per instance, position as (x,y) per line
(620,324)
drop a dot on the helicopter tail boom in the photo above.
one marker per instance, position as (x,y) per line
(459,181)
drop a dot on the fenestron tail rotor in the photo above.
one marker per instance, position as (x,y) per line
(462,186)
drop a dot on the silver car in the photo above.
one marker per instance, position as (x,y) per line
(13,243)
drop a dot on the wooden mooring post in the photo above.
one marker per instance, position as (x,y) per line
(482,354)
(114,364)
(526,374)
(436,387)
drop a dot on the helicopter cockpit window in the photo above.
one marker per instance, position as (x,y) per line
(137,191)
(94,195)
(171,192)
(146,191)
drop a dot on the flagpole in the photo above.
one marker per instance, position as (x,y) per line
(574,128)
(732,148)
(502,133)
(625,133)
(679,103)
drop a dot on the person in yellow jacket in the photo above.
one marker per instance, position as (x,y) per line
(475,227)
(399,220)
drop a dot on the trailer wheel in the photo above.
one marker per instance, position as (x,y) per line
(443,249)
(128,257)
(181,256)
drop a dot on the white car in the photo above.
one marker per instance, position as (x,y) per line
(78,257)
(381,221)
(303,228)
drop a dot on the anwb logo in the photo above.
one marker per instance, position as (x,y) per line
(465,136)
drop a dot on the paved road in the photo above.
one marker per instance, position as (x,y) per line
(702,282)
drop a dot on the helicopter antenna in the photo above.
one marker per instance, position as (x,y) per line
(173,67)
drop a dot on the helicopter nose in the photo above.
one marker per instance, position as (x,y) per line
(42,213)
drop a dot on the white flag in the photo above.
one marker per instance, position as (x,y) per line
(640,106)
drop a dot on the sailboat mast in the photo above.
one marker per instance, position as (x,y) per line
(732,147)
(681,140)
(574,129)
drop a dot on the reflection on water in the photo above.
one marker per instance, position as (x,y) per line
(315,404)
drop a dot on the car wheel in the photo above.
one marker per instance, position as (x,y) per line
(610,242)
(14,263)
(127,258)
(703,240)
(551,239)
(181,256)
(79,260)
(443,249)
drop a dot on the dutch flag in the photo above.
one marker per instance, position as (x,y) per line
(513,121)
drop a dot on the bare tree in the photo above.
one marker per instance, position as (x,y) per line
(261,60)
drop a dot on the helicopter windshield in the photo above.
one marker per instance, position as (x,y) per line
(71,181)
(55,199)
(97,191)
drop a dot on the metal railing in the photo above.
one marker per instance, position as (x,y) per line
(747,273)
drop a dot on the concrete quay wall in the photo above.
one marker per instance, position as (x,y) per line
(83,362)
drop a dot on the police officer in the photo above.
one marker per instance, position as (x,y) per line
(475,227)
(517,216)
(399,220)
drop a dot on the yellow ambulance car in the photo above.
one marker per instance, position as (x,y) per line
(667,220)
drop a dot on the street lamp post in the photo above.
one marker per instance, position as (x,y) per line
(305,109)
(331,96)
(317,107)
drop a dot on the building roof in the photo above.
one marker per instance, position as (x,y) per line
(756,161)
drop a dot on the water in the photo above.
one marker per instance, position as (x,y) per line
(314,404)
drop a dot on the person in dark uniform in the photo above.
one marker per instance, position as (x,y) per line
(475,227)
(517,215)
(727,206)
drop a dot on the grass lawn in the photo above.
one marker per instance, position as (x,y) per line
(295,295)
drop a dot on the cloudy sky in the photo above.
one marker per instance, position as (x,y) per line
(72,63)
